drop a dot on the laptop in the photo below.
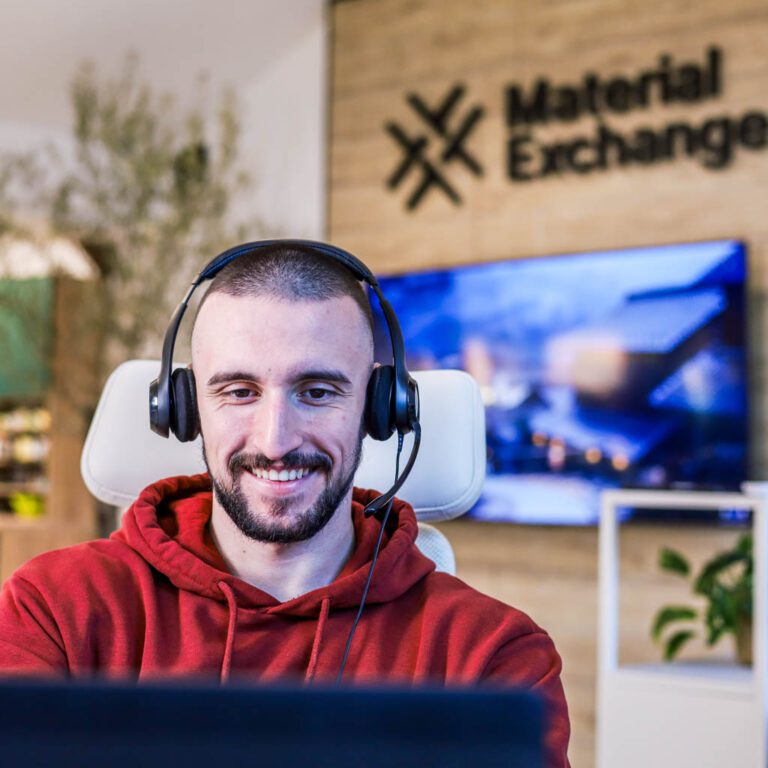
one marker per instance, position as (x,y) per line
(84,725)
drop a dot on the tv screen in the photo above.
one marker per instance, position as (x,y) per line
(610,369)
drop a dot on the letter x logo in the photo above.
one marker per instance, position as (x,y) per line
(452,139)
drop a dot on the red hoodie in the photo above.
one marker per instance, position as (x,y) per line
(156,600)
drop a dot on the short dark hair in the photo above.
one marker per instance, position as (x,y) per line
(291,274)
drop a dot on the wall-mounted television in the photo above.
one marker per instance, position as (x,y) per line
(611,369)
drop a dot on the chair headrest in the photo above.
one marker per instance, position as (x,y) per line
(122,455)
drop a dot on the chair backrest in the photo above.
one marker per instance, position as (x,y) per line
(122,455)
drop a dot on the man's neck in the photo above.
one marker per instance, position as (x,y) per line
(286,571)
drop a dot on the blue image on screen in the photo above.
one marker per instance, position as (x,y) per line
(598,370)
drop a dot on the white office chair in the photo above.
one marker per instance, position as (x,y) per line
(122,455)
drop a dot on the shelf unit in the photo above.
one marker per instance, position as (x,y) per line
(47,356)
(679,713)
(24,448)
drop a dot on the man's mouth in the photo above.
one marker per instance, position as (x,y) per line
(291,473)
(280,475)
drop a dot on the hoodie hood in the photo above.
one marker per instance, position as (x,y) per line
(168,527)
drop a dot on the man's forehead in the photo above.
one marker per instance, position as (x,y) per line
(221,306)
(223,316)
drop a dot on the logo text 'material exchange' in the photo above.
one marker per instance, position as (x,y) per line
(427,164)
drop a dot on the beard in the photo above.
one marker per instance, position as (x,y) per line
(275,526)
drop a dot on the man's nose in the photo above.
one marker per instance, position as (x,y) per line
(277,427)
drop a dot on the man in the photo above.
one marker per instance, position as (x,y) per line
(256,569)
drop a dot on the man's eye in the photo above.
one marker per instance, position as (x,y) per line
(241,393)
(317,393)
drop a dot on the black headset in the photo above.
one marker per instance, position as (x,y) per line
(392,397)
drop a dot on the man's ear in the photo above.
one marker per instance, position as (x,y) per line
(364,425)
(379,418)
(185,422)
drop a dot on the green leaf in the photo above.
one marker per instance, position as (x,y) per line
(671,560)
(669,614)
(744,544)
(675,643)
(706,580)
(714,634)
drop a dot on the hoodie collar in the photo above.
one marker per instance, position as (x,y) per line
(168,526)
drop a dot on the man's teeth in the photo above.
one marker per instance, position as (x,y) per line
(282,475)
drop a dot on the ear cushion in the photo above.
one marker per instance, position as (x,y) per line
(184,419)
(379,403)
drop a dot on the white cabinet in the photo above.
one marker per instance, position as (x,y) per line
(679,714)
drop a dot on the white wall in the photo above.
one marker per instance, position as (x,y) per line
(273,53)
(285,117)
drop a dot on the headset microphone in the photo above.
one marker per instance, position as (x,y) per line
(376,506)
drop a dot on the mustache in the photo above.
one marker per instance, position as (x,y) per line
(241,461)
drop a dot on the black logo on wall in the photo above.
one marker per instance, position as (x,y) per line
(712,141)
(422,160)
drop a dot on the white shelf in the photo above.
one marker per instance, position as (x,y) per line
(704,676)
(703,714)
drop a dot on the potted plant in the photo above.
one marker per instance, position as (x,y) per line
(725,582)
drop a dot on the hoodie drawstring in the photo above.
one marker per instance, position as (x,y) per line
(226,663)
(325,609)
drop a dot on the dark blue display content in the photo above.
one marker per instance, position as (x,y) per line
(598,370)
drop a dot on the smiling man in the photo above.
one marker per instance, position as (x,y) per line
(256,569)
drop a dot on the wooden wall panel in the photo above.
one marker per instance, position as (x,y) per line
(383,49)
